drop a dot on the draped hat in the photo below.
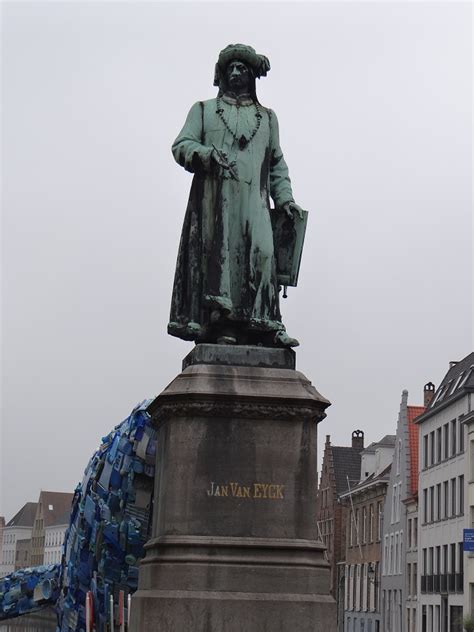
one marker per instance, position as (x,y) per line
(258,64)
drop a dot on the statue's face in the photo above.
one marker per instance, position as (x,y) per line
(238,76)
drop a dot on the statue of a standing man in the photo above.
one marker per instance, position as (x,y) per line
(225,289)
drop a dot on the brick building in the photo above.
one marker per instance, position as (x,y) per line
(340,464)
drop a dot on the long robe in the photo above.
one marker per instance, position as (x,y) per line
(226,255)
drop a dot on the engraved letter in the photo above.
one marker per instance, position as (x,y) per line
(246,491)
(210,492)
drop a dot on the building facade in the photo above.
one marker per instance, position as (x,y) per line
(395,524)
(340,464)
(53,540)
(23,554)
(19,528)
(442,493)
(51,510)
(362,568)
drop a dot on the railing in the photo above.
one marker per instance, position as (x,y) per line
(451,582)
(423,583)
(459,582)
(436,583)
(429,583)
(443,584)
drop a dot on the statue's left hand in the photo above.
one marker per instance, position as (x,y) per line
(290,208)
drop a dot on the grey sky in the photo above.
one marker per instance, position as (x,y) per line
(374,104)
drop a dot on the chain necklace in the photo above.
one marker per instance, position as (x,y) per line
(242,141)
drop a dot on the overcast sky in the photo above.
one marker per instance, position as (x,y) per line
(374,104)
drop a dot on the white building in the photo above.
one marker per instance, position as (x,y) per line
(53,540)
(442,490)
(19,528)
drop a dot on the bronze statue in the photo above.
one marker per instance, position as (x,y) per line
(226,287)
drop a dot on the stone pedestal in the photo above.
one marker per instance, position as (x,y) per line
(234,531)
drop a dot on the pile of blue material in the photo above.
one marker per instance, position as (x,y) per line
(110,523)
(28,589)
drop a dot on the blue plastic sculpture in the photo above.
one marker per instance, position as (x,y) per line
(109,525)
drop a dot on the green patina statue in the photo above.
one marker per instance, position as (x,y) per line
(226,287)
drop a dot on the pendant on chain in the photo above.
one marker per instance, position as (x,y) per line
(243,142)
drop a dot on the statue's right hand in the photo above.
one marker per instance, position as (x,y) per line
(227,169)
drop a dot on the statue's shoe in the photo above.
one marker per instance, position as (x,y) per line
(282,339)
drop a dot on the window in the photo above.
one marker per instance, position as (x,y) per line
(394,494)
(415,578)
(409,528)
(380,520)
(390,555)
(409,581)
(446,440)
(425,451)
(385,555)
(446,499)
(461,437)
(461,495)
(453,558)
(357,526)
(415,532)
(401,554)
(425,563)
(425,506)
(438,501)
(364,525)
(445,559)
(438,445)
(453,437)
(399,455)
(396,555)
(453,497)
(371,523)
(432,504)
(432,448)
(438,560)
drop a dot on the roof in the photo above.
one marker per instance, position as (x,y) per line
(413,433)
(382,477)
(25,517)
(458,380)
(56,507)
(388,441)
(346,462)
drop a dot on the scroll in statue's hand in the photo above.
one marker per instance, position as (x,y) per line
(291,209)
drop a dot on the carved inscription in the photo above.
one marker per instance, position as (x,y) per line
(259,491)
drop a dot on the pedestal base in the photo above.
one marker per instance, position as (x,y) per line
(234,529)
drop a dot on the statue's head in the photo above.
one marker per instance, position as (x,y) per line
(237,68)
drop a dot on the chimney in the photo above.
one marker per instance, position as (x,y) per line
(358,439)
(428,392)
